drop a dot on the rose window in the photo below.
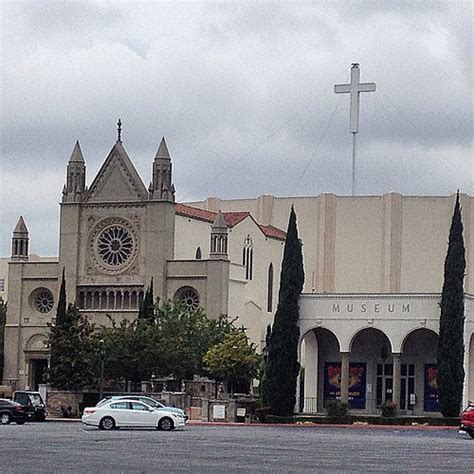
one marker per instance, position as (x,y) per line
(115,245)
(189,298)
(44,301)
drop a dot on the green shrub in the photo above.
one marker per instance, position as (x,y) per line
(389,409)
(337,409)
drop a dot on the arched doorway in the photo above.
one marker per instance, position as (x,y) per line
(370,370)
(319,347)
(36,361)
(418,371)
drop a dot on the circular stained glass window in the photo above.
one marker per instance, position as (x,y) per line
(115,245)
(44,301)
(189,298)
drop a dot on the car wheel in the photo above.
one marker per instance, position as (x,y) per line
(165,424)
(471,433)
(5,419)
(107,423)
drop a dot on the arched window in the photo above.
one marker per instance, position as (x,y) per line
(198,253)
(247,258)
(270,289)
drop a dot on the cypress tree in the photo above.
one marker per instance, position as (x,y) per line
(147,308)
(61,310)
(451,324)
(61,318)
(263,371)
(282,362)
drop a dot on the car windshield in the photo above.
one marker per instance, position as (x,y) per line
(36,399)
(151,403)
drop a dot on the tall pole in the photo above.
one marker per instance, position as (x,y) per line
(353,163)
(354,89)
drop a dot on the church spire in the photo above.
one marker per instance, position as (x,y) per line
(76,176)
(20,241)
(162,187)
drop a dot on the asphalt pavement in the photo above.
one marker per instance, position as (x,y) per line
(72,447)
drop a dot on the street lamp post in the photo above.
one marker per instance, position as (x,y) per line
(102,365)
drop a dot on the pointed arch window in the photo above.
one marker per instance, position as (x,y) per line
(198,253)
(247,258)
(270,288)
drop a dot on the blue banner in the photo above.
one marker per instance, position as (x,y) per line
(357,383)
(431,388)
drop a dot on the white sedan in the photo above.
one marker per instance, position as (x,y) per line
(131,413)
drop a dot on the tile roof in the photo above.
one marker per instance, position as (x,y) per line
(231,218)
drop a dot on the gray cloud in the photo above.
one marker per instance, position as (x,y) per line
(242,92)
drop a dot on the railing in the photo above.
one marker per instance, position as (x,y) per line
(369,405)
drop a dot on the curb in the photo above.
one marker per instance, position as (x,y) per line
(294,425)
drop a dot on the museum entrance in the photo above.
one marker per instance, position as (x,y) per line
(384,388)
(37,372)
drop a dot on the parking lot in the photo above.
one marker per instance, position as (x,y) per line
(71,447)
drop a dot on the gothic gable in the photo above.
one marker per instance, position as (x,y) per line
(117,180)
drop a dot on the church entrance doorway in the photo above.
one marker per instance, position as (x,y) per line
(37,372)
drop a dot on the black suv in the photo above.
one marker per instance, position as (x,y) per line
(11,411)
(33,404)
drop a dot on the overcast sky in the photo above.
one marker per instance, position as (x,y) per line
(243,93)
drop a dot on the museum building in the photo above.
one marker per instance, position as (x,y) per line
(373,276)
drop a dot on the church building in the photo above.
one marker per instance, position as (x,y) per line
(115,237)
(369,313)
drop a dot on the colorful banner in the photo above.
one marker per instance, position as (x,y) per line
(431,388)
(357,383)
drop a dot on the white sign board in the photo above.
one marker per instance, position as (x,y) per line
(218,412)
(241,411)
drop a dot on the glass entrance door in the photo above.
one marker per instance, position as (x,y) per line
(384,383)
(407,387)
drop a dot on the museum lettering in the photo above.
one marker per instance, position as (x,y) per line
(394,308)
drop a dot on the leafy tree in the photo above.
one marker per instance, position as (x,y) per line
(234,360)
(3,320)
(128,350)
(74,352)
(451,324)
(282,363)
(173,344)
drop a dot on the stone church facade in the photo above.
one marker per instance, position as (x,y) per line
(369,314)
(115,237)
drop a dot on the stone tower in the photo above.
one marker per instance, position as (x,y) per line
(116,235)
(75,176)
(219,236)
(20,241)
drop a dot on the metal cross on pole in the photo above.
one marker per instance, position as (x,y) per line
(354,89)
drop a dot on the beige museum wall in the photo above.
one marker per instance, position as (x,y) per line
(356,239)
(425,231)
(376,244)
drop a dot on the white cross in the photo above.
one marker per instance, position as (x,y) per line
(354,89)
